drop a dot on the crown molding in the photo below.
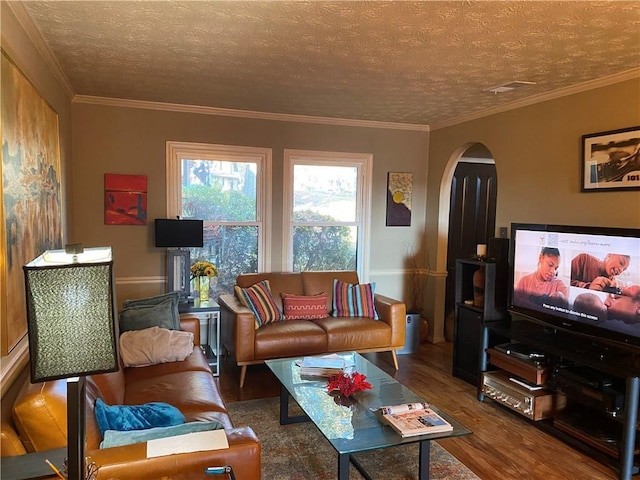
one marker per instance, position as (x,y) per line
(543,97)
(25,21)
(229,112)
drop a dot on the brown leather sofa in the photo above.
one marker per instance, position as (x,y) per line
(292,338)
(39,419)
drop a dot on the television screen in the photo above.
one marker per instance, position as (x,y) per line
(582,279)
(179,233)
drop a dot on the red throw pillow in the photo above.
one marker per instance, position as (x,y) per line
(301,307)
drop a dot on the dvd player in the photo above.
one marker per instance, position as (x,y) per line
(522,352)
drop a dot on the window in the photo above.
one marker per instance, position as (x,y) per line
(225,187)
(326,210)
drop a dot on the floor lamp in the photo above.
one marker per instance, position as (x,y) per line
(72,330)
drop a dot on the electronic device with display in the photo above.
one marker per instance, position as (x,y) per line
(585,280)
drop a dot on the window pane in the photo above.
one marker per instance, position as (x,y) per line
(232,249)
(329,192)
(324,248)
(219,190)
(223,191)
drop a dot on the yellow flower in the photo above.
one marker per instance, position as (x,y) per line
(202,268)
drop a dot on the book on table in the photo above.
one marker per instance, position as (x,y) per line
(411,419)
(326,365)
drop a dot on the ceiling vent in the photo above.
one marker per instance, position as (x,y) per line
(505,87)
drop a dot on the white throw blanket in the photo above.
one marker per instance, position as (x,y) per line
(140,348)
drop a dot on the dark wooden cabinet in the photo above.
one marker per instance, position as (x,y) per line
(470,338)
(600,384)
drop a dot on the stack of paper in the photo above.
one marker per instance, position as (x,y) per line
(188,442)
(326,365)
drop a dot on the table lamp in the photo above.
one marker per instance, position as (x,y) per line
(72,330)
(178,235)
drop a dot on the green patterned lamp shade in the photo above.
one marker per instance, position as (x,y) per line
(70,314)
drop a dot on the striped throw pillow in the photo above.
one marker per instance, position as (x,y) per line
(301,307)
(262,304)
(353,300)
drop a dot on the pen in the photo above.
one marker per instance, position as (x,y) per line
(53,467)
(215,470)
(219,470)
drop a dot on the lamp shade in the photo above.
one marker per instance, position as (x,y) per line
(71,314)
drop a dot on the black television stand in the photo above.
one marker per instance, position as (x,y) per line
(596,380)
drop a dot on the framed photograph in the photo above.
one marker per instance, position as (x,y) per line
(611,160)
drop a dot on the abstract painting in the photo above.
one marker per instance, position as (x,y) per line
(31,213)
(125,199)
(399,186)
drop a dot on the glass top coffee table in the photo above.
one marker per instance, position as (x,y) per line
(353,427)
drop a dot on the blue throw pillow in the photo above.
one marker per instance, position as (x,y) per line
(159,311)
(114,438)
(136,417)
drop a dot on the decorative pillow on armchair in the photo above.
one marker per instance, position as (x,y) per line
(160,311)
(261,302)
(136,417)
(353,300)
(304,307)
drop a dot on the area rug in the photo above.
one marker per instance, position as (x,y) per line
(300,452)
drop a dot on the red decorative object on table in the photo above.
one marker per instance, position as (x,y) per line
(348,383)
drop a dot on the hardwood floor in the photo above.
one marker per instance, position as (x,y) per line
(503,445)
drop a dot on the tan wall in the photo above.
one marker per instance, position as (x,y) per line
(115,139)
(537,151)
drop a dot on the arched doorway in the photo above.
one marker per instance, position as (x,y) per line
(472,212)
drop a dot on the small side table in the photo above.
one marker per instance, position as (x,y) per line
(210,311)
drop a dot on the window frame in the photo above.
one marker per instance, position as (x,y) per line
(176,151)
(364,164)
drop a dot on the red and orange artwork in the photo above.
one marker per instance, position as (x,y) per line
(125,199)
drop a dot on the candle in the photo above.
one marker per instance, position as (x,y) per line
(481,250)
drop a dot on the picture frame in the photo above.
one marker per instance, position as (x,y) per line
(611,160)
(399,191)
(125,199)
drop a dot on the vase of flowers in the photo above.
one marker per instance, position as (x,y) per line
(202,272)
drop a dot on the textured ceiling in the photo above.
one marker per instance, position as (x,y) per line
(407,62)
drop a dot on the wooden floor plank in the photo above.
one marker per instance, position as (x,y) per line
(503,445)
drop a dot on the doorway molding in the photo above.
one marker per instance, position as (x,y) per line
(444,204)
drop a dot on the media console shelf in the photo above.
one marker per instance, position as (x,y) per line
(470,338)
(608,376)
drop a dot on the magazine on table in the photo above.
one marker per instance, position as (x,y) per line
(326,365)
(411,419)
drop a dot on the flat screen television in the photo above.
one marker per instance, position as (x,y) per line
(581,279)
(179,233)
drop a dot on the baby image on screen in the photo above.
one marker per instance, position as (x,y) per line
(624,307)
(590,306)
